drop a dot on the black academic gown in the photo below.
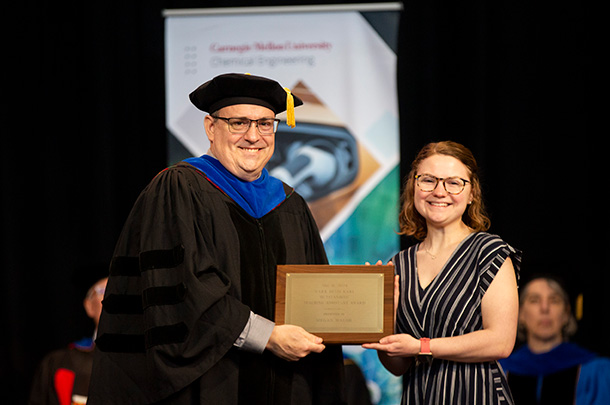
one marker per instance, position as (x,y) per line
(189,266)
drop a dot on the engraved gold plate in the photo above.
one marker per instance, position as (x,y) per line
(341,304)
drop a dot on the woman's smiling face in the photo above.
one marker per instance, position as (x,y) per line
(438,207)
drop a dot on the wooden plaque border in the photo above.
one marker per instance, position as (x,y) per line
(340,338)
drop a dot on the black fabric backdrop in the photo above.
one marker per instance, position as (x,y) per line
(86,132)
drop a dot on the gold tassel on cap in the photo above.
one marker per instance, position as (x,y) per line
(289,108)
(579,307)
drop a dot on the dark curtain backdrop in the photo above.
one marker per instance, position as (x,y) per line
(85,94)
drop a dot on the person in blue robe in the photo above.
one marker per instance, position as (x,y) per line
(548,369)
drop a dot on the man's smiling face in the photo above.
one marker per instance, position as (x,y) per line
(244,155)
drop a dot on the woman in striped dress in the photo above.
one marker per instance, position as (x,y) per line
(458,305)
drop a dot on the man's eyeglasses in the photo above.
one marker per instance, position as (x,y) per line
(265,126)
(428,182)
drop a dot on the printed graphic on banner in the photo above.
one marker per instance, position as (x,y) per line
(321,158)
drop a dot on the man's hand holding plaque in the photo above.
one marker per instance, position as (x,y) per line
(291,342)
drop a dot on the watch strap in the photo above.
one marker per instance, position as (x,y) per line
(425,355)
(424,347)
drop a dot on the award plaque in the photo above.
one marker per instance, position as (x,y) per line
(341,304)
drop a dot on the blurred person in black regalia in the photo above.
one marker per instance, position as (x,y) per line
(187,316)
(549,369)
(63,375)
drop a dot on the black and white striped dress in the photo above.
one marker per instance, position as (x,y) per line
(450,306)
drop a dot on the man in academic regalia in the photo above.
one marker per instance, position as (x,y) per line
(189,308)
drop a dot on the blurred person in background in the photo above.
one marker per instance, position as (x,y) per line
(548,369)
(63,376)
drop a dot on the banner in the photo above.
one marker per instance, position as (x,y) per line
(343,155)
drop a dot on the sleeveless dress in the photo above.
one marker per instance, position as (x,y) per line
(450,306)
